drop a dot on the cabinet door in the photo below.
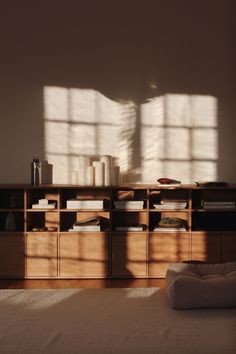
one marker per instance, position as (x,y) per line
(129,254)
(166,248)
(206,246)
(41,255)
(228,251)
(12,255)
(83,255)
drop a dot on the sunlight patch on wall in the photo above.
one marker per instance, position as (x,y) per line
(84,122)
(174,135)
(179,138)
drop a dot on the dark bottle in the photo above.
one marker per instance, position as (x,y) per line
(35,172)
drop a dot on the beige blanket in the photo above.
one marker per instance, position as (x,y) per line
(110,321)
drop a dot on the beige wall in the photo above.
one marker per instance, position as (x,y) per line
(182,47)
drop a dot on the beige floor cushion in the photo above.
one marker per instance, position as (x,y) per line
(201,285)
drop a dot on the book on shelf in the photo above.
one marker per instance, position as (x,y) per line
(93,220)
(215,207)
(172,206)
(85,204)
(130,228)
(218,204)
(167,229)
(88,224)
(174,201)
(129,204)
(44,206)
(77,228)
(211,184)
(43,201)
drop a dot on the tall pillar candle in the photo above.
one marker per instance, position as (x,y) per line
(99,174)
(107,160)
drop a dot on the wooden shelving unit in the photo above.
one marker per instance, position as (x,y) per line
(39,245)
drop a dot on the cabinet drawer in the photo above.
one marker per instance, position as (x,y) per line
(166,248)
(129,254)
(206,246)
(83,255)
(228,242)
(41,255)
(12,255)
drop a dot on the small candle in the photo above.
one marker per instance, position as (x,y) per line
(99,174)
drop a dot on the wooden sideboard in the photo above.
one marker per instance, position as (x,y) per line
(37,243)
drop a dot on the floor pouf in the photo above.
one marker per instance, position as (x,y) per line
(201,285)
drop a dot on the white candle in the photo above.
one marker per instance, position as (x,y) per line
(107,160)
(99,174)
(95,163)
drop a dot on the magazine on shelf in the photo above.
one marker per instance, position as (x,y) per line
(44,206)
(129,204)
(172,206)
(218,204)
(167,229)
(77,228)
(170,201)
(215,207)
(211,184)
(84,204)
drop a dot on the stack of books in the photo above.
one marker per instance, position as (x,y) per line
(211,184)
(129,204)
(85,204)
(44,204)
(218,205)
(89,224)
(172,204)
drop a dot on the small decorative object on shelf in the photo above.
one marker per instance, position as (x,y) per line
(44,204)
(35,172)
(46,173)
(89,224)
(168,181)
(41,173)
(171,224)
(44,229)
(10,223)
(211,184)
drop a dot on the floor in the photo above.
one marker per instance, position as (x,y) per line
(79,283)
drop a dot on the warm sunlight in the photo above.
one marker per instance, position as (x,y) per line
(179,138)
(174,135)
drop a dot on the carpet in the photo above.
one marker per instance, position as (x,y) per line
(91,321)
